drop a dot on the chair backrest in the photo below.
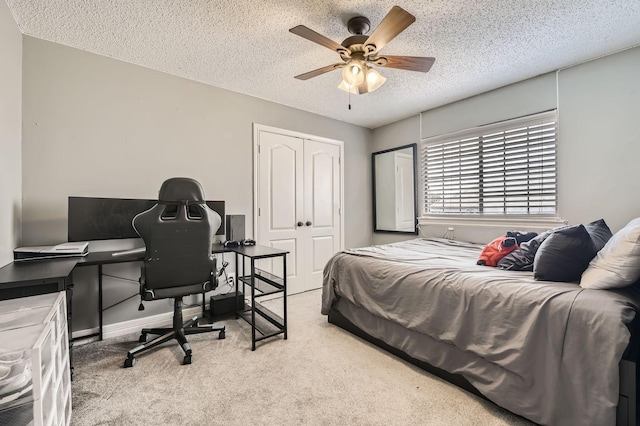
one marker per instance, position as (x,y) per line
(178,232)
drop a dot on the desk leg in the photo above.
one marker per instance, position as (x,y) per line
(253,304)
(284,298)
(204,310)
(69,290)
(241,307)
(100,301)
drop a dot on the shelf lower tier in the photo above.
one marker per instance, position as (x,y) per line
(267,323)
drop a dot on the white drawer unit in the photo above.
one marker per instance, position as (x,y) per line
(35,382)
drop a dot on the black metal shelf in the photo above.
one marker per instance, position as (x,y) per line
(264,322)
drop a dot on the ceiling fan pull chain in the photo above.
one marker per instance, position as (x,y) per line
(349,92)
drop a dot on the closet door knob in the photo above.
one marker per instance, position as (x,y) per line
(300,223)
(308,223)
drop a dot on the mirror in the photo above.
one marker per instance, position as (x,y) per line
(394,190)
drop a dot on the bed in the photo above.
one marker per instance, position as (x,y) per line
(552,352)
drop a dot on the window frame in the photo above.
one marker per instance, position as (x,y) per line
(489,219)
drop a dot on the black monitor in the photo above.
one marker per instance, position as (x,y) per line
(92,218)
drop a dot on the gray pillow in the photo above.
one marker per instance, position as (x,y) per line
(522,258)
(564,255)
(599,232)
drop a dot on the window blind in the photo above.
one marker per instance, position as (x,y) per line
(507,168)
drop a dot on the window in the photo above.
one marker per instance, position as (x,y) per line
(503,169)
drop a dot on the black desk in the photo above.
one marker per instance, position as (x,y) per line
(105,258)
(36,277)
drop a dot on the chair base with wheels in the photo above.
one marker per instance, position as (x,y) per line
(178,332)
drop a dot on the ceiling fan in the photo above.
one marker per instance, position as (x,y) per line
(360,51)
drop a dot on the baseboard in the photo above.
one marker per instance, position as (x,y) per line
(134,326)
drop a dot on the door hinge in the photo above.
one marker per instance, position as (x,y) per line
(258,148)
(258,211)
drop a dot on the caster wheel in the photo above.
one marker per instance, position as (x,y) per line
(129,362)
(221,335)
(196,324)
(143,338)
(187,360)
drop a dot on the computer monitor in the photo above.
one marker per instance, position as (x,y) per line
(91,218)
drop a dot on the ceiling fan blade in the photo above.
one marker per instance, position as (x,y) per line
(315,37)
(396,21)
(319,71)
(411,63)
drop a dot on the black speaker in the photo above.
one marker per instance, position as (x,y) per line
(235,227)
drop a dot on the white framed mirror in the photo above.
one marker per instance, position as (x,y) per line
(394,190)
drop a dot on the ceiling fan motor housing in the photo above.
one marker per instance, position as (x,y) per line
(358,25)
(356,40)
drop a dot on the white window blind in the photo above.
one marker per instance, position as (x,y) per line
(507,168)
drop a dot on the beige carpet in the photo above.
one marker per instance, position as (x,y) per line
(321,375)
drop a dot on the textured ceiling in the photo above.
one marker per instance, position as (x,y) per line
(245,45)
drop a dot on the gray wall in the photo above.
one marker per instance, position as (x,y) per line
(598,140)
(95,126)
(10,133)
(526,97)
(403,132)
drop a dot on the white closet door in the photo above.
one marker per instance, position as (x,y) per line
(280,202)
(299,196)
(322,208)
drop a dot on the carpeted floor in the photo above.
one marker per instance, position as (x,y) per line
(321,375)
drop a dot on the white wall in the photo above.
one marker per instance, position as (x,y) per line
(598,139)
(95,126)
(10,134)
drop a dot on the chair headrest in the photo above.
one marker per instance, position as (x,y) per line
(181,190)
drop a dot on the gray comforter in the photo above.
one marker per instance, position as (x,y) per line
(545,350)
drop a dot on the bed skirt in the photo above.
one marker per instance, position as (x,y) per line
(627,405)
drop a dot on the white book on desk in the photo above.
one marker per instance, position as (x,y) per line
(74,249)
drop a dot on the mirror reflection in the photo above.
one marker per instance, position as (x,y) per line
(394,190)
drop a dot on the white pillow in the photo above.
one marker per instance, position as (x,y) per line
(618,263)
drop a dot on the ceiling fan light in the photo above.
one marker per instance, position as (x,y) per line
(374,79)
(348,88)
(353,73)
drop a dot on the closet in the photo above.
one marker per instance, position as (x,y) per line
(298,202)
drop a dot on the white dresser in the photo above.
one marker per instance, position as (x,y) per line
(35,381)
